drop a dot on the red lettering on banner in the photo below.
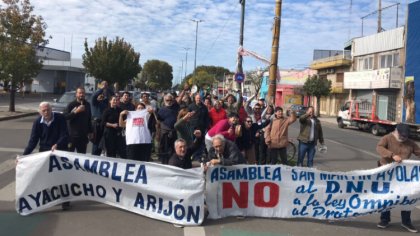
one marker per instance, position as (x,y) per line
(229,194)
(274,193)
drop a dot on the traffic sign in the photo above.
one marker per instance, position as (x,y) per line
(239,77)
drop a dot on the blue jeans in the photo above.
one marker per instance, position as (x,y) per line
(303,149)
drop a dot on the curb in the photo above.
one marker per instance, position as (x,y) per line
(17,116)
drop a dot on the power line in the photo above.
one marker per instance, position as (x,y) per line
(221,31)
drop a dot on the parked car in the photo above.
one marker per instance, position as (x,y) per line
(299,109)
(59,105)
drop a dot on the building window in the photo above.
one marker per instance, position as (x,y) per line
(390,60)
(340,78)
(365,63)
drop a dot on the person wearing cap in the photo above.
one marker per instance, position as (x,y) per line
(396,147)
(255,112)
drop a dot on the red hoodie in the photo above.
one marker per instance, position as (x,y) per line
(216,116)
(222,128)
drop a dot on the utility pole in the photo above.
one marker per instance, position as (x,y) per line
(196,39)
(182,70)
(274,54)
(239,69)
(186,60)
(379,16)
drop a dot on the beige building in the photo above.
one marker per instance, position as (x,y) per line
(376,75)
(332,64)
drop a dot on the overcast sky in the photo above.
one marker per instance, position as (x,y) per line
(161,29)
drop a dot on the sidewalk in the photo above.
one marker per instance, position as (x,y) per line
(26,105)
(328,119)
(6,115)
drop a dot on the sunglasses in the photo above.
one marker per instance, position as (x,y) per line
(249,121)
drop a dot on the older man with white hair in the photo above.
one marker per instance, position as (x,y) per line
(224,152)
(50,130)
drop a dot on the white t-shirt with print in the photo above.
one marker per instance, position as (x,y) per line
(137,131)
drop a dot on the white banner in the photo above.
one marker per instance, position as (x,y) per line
(288,192)
(157,191)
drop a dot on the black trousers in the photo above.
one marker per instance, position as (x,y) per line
(139,152)
(79,144)
(262,151)
(275,153)
(405,216)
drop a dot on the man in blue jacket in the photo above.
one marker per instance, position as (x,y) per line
(50,130)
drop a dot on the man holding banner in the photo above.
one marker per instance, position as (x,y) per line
(50,130)
(396,147)
(224,152)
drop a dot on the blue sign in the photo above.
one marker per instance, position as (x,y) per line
(239,77)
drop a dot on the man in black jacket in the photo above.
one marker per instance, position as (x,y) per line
(224,152)
(78,114)
(182,156)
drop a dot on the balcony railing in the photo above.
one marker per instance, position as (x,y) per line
(329,62)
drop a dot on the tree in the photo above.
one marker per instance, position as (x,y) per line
(256,79)
(217,71)
(157,75)
(113,61)
(318,87)
(21,34)
(202,79)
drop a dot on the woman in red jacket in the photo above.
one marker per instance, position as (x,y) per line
(217,113)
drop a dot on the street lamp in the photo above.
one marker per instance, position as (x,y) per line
(186,60)
(196,38)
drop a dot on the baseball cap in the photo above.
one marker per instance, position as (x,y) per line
(403,130)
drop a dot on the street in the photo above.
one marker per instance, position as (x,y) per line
(347,150)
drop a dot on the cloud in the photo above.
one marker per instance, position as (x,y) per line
(161,29)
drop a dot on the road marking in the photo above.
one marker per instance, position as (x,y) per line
(355,148)
(7,165)
(8,193)
(194,231)
(18,150)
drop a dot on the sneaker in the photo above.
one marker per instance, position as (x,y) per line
(409,227)
(383,225)
(178,226)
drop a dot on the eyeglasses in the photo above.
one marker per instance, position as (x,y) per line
(249,121)
(169,100)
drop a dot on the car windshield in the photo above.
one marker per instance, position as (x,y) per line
(67,98)
(70,96)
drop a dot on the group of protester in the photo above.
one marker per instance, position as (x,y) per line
(224,131)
